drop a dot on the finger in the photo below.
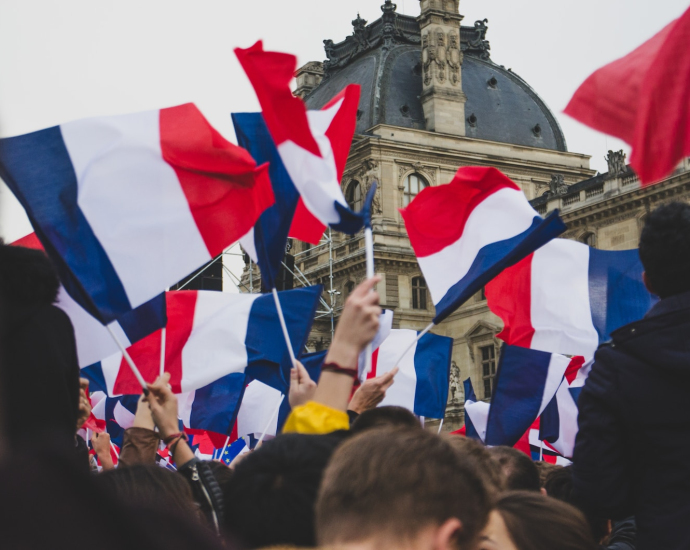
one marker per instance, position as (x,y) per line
(84,384)
(294,378)
(303,373)
(365,286)
(387,377)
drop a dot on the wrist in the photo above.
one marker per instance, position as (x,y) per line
(344,355)
(167,431)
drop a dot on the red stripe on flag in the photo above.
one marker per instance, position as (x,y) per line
(436,218)
(342,127)
(146,356)
(30,241)
(225,190)
(510,297)
(305,226)
(573,368)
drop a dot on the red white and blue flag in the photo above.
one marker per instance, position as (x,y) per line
(476,413)
(313,145)
(128,205)
(213,335)
(466,232)
(567,297)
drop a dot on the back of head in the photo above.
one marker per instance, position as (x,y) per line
(27,277)
(545,468)
(150,486)
(390,485)
(537,522)
(385,417)
(487,467)
(270,498)
(518,469)
(665,249)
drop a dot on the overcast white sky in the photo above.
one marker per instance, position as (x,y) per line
(68,59)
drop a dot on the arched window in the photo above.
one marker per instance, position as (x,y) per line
(414,183)
(590,239)
(418,293)
(354,196)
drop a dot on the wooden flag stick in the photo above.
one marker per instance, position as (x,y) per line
(131,364)
(286,335)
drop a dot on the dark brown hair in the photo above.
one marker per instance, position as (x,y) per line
(394,483)
(520,472)
(489,470)
(537,522)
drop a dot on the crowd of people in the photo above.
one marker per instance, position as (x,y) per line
(345,473)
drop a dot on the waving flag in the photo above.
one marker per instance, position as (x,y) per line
(128,205)
(466,232)
(568,297)
(235,449)
(421,384)
(117,413)
(643,99)
(94,342)
(559,420)
(525,383)
(313,145)
(211,335)
(476,413)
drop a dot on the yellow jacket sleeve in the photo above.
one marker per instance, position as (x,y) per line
(315,418)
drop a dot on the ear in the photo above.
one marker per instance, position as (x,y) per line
(447,534)
(645,280)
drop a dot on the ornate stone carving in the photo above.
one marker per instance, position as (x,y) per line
(616,162)
(557,185)
(435,56)
(479,43)
(455,386)
(454,58)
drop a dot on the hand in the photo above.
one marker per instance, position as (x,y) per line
(163,405)
(143,417)
(84,403)
(357,326)
(372,392)
(302,387)
(101,444)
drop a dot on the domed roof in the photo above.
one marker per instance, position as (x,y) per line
(385,59)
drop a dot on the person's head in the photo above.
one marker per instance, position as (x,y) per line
(488,469)
(518,469)
(270,498)
(389,416)
(665,249)
(400,488)
(525,520)
(27,276)
(545,468)
(150,486)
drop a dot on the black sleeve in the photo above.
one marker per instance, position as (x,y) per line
(352,415)
(601,480)
(623,535)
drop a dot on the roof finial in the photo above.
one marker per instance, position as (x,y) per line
(359,23)
(389,7)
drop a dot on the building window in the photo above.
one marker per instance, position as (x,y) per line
(414,183)
(590,239)
(349,287)
(488,368)
(354,196)
(418,293)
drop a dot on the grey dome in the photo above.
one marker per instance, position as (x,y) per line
(500,105)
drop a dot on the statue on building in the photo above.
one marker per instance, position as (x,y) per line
(454,58)
(369,173)
(557,185)
(616,162)
(454,385)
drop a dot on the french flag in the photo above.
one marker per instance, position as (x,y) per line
(117,413)
(421,384)
(476,413)
(558,423)
(313,145)
(128,205)
(526,381)
(93,340)
(567,297)
(541,450)
(466,232)
(211,335)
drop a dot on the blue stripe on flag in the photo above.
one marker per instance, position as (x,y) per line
(215,406)
(145,319)
(432,366)
(470,430)
(350,222)
(271,231)
(518,393)
(550,422)
(38,169)
(94,374)
(617,294)
(495,257)
(269,360)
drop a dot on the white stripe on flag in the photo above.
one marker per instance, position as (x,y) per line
(557,367)
(258,405)
(402,392)
(120,168)
(500,216)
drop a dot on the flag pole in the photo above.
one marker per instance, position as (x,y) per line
(286,335)
(131,364)
(541,451)
(268,426)
(404,353)
(164,331)
(112,446)
(440,426)
(222,453)
(369,255)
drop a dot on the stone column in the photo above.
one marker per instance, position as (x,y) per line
(442,97)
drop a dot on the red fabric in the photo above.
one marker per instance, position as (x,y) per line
(208,439)
(461,432)
(573,368)
(226,191)
(343,125)
(644,99)
(30,241)
(146,353)
(305,226)
(509,296)
(94,424)
(285,115)
(437,216)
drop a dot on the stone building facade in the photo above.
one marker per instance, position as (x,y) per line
(432,101)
